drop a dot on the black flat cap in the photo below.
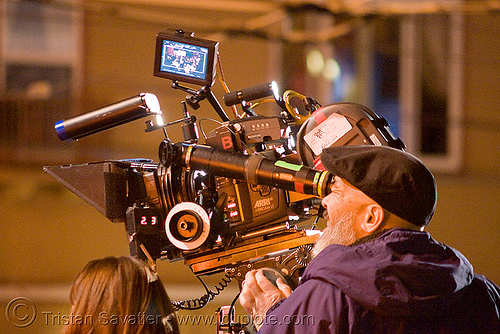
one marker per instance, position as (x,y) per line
(396,180)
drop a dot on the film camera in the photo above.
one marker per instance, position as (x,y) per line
(243,199)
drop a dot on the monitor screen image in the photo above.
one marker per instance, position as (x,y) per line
(184,59)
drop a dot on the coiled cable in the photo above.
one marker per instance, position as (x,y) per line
(198,303)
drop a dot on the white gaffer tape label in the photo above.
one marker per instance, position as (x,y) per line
(327,132)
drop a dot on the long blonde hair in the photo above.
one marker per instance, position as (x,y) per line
(119,295)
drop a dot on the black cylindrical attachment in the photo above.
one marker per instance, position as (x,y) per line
(248,94)
(255,169)
(107,117)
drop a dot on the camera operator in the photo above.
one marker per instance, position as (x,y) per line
(119,295)
(375,270)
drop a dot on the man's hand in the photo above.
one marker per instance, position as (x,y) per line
(258,294)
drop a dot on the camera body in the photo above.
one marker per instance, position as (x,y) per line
(186,210)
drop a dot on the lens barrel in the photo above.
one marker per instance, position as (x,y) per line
(256,169)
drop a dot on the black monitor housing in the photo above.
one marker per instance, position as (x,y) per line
(181,57)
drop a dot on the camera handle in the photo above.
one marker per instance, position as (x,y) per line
(285,264)
(195,96)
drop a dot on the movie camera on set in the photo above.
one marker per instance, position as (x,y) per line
(239,200)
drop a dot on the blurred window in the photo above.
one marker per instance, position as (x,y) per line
(40,66)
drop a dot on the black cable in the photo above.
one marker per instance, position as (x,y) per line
(198,303)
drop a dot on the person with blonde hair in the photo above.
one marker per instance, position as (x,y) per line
(119,295)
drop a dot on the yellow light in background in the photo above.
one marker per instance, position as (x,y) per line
(331,70)
(315,62)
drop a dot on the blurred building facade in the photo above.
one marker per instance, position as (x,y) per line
(438,89)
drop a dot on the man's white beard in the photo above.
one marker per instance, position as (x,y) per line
(340,230)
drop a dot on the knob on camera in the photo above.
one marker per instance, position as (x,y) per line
(187,226)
